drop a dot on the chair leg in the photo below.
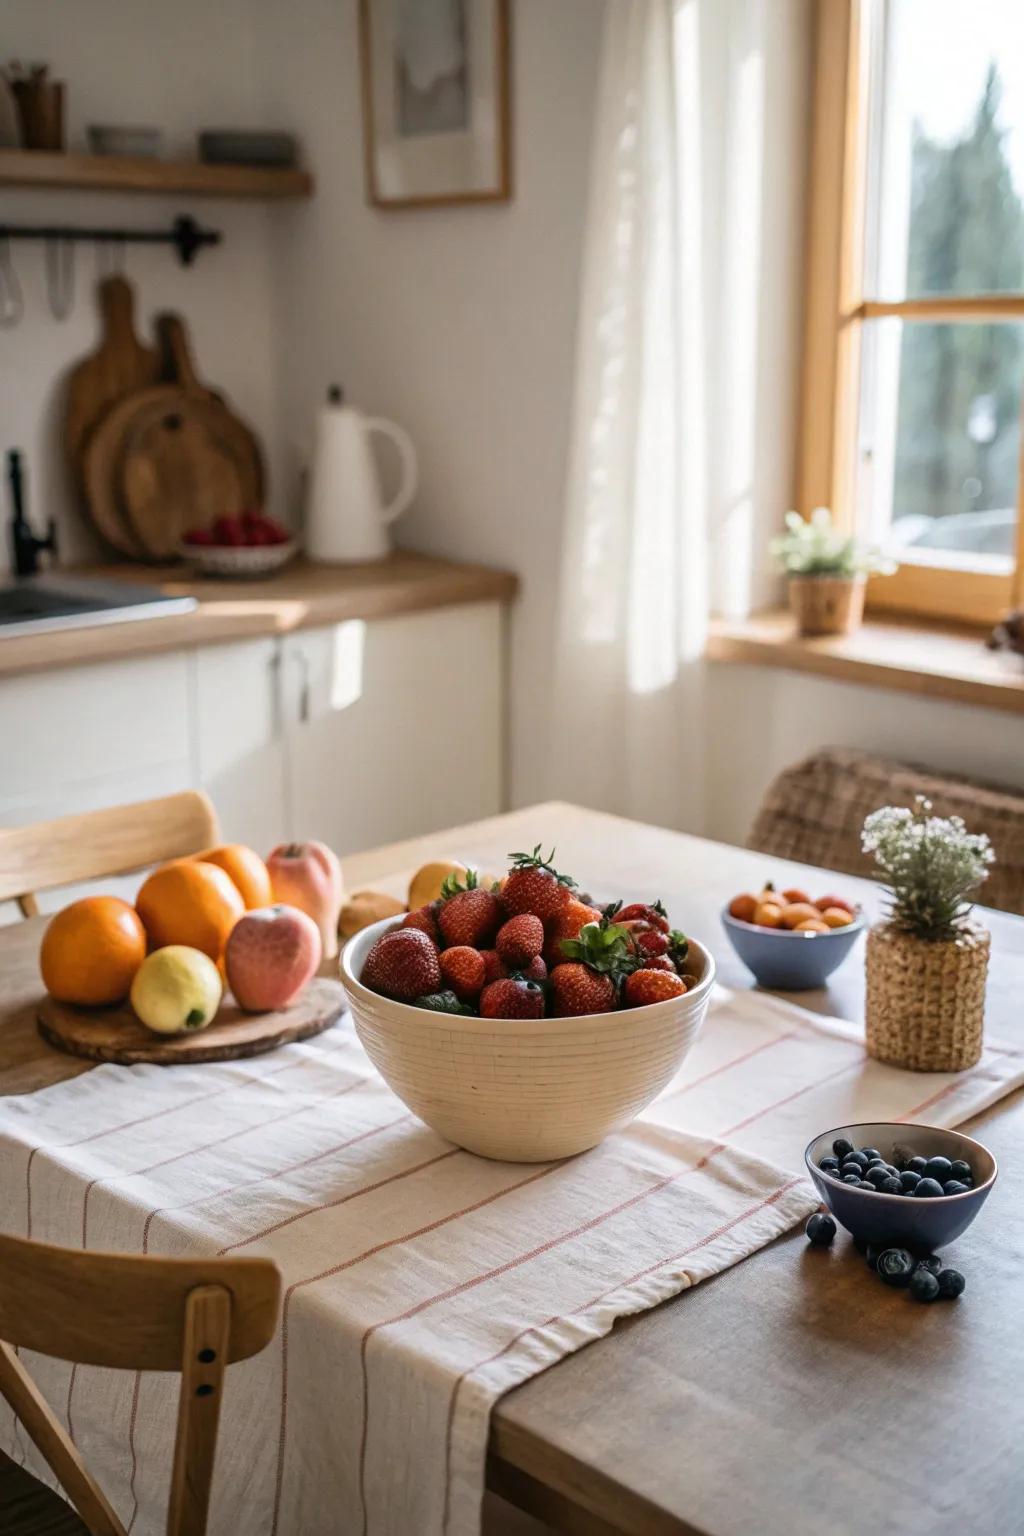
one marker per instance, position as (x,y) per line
(60,1452)
(204,1355)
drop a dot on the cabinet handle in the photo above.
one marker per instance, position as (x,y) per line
(302,661)
(276,701)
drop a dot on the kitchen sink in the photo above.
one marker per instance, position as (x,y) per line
(33,604)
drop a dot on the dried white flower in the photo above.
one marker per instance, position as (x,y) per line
(931,864)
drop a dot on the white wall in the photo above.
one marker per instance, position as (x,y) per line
(457,322)
(179,67)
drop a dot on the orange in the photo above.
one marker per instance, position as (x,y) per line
(91,951)
(190,902)
(246,869)
(835,917)
(768,915)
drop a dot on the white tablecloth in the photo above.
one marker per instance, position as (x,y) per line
(421,1282)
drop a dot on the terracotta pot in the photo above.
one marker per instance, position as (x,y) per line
(827,605)
(925,1002)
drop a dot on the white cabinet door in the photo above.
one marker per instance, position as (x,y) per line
(394,725)
(239,734)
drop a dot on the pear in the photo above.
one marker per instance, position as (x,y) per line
(176,990)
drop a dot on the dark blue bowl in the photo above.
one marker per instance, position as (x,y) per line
(902,1220)
(792,962)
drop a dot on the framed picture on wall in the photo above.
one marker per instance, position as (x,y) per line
(436,107)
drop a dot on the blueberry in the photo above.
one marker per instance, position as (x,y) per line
(876,1174)
(951,1284)
(954,1187)
(890,1186)
(923,1285)
(871,1153)
(961,1169)
(930,1261)
(908,1179)
(895,1265)
(841,1147)
(856,1157)
(851,1178)
(829,1165)
(867,1184)
(917,1164)
(927,1189)
(871,1253)
(939,1168)
(820,1229)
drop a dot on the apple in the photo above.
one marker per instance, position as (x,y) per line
(308,876)
(271,954)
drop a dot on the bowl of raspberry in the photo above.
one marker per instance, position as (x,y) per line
(518,1019)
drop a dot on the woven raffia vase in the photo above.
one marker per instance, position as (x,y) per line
(925,1004)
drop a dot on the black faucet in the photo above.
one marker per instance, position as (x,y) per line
(25,546)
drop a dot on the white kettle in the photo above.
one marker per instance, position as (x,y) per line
(345,517)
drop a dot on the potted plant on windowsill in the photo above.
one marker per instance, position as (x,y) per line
(827,572)
(927,962)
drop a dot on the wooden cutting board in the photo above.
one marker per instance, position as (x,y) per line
(115,1034)
(168,458)
(119,366)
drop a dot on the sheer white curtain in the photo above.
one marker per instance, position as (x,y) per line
(681,448)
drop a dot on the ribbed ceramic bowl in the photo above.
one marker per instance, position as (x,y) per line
(524,1090)
(900,1219)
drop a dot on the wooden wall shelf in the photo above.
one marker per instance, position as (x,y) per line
(114,173)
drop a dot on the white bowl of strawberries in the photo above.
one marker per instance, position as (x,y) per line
(250,544)
(520,1021)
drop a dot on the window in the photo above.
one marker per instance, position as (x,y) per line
(913,379)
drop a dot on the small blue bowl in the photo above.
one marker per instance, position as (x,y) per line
(790,961)
(902,1220)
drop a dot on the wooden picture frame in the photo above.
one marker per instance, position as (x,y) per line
(448,140)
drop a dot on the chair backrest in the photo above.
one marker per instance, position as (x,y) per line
(195,1316)
(99,843)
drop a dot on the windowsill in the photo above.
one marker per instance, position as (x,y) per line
(933,660)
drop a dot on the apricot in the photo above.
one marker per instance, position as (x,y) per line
(743,907)
(811,925)
(793,896)
(768,915)
(769,893)
(836,917)
(825,902)
(798,912)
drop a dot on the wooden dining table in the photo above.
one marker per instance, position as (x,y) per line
(792,1393)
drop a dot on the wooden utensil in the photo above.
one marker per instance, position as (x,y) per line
(115,1034)
(119,366)
(185,464)
(210,467)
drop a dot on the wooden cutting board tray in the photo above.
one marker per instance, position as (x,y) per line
(115,1034)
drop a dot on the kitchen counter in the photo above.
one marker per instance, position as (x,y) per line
(302,596)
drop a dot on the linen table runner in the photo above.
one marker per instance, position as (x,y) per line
(420,1282)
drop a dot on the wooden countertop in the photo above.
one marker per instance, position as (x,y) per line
(791,1394)
(302,596)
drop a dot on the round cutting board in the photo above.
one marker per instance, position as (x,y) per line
(115,1034)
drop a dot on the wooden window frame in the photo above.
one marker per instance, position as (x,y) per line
(835,309)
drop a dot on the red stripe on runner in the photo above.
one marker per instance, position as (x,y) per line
(741,1125)
(370,1253)
(491,1274)
(640,1274)
(943,1093)
(726,1066)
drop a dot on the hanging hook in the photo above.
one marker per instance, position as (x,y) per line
(60,275)
(12,304)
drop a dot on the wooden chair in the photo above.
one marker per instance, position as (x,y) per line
(196,1316)
(99,843)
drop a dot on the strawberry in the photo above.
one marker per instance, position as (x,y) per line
(653,913)
(494,966)
(567,926)
(534,885)
(576,989)
(651,986)
(512,998)
(605,947)
(535,971)
(649,941)
(403,964)
(520,940)
(658,963)
(468,913)
(424,918)
(463,971)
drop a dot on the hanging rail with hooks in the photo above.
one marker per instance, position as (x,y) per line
(185,235)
